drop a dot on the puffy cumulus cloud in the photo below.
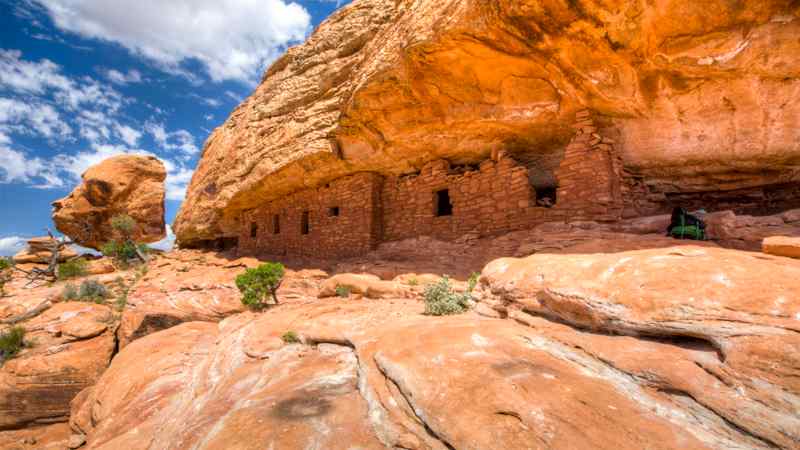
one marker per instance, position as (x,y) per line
(11,245)
(233,39)
(16,167)
(33,77)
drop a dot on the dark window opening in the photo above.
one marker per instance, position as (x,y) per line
(253,230)
(443,205)
(304,226)
(333,211)
(546,196)
(276,224)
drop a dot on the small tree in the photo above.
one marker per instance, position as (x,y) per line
(124,249)
(256,284)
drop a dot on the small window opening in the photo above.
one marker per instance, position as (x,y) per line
(546,196)
(333,211)
(276,224)
(253,230)
(443,205)
(304,226)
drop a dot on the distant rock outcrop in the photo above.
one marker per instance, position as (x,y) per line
(39,251)
(126,184)
(700,100)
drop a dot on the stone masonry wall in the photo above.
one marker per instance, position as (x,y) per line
(493,198)
(355,230)
(589,176)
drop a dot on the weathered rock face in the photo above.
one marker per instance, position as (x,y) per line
(683,347)
(126,184)
(72,344)
(699,97)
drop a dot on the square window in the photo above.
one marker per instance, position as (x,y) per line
(333,211)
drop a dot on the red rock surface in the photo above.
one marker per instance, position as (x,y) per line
(782,246)
(125,184)
(71,345)
(681,347)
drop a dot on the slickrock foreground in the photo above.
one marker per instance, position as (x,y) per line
(125,184)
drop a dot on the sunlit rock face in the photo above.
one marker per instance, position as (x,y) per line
(126,184)
(697,96)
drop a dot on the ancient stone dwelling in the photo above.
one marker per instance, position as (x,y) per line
(351,215)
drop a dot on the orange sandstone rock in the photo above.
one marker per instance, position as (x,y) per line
(126,184)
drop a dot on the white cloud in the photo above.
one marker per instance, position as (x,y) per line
(10,245)
(117,77)
(28,76)
(233,39)
(32,116)
(176,140)
(209,117)
(128,134)
(16,167)
(167,243)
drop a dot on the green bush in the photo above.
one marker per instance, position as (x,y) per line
(413,281)
(441,300)
(290,337)
(72,269)
(5,274)
(124,224)
(472,281)
(343,290)
(256,284)
(5,264)
(89,291)
(11,342)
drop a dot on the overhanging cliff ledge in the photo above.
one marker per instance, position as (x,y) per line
(693,101)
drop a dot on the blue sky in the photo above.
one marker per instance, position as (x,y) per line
(82,80)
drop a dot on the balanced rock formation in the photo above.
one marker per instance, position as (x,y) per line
(682,347)
(696,102)
(125,184)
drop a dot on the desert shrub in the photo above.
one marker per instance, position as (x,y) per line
(342,290)
(256,284)
(290,337)
(413,281)
(441,299)
(5,264)
(72,269)
(11,342)
(70,292)
(123,224)
(89,291)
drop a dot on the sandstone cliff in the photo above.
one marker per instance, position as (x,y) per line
(699,97)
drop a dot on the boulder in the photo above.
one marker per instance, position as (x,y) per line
(125,184)
(366,285)
(782,246)
(697,97)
